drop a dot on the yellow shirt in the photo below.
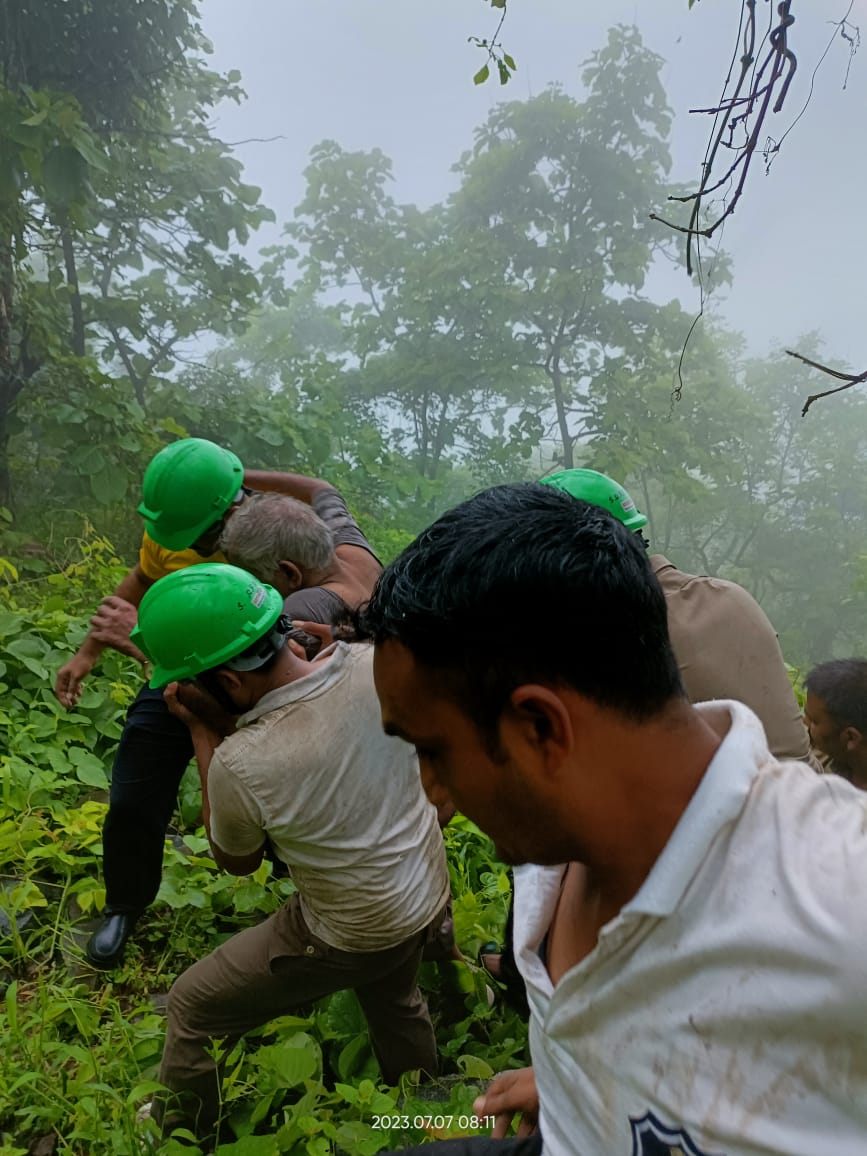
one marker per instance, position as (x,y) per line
(155,561)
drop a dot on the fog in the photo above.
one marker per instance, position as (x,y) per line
(425,331)
(398,76)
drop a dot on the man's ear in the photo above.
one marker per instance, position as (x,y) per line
(292,576)
(851,738)
(228,680)
(544,723)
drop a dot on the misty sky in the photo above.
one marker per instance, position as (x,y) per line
(397,74)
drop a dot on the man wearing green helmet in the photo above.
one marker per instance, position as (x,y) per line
(723,641)
(725,646)
(190,491)
(309,770)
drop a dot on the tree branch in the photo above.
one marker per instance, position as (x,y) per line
(849,379)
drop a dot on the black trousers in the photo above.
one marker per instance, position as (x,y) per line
(480,1146)
(154,750)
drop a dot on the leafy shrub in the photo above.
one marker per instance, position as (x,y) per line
(79,1051)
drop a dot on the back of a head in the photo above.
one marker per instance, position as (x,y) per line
(523,584)
(202,617)
(187,487)
(841,684)
(270,528)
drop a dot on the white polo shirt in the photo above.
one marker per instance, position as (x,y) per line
(724,1010)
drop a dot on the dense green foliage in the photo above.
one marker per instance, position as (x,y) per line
(410,355)
(79,1050)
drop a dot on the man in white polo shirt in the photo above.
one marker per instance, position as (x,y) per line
(691,914)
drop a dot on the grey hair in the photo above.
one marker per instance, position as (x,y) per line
(267,529)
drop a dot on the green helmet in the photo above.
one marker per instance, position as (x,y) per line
(188,487)
(205,616)
(599,490)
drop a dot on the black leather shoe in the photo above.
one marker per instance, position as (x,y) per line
(105,946)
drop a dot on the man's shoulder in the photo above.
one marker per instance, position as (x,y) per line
(817,827)
(346,669)
(676,582)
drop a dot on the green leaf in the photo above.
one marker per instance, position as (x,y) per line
(509,62)
(475,1068)
(251,1146)
(31,646)
(270,436)
(86,149)
(352,1058)
(10,624)
(88,768)
(64,176)
(88,459)
(482,75)
(109,485)
(293,1065)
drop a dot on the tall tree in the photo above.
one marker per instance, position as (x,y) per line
(559,189)
(119,209)
(415,299)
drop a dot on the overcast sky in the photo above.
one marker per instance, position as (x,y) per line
(397,74)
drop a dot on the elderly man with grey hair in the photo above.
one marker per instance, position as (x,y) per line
(310,548)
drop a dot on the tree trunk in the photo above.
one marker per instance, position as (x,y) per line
(9,387)
(566,438)
(78,345)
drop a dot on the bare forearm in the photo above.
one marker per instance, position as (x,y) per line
(205,742)
(295,485)
(115,618)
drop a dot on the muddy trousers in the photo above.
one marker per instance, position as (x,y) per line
(268,971)
(154,750)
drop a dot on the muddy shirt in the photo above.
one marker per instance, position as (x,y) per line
(723,1011)
(340,801)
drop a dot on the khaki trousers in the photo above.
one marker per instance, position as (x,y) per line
(267,971)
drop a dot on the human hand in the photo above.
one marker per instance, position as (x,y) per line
(508,1093)
(198,709)
(312,636)
(67,684)
(112,623)
(445,813)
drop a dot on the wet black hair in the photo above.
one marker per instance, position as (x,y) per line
(841,684)
(522,584)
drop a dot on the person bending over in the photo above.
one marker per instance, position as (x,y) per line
(310,772)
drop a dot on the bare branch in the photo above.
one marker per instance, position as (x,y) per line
(848,379)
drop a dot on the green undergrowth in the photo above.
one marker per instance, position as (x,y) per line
(79,1050)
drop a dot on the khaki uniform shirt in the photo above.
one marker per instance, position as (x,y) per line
(726,647)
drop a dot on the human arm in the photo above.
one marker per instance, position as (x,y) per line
(108,631)
(112,624)
(508,1093)
(206,735)
(294,485)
